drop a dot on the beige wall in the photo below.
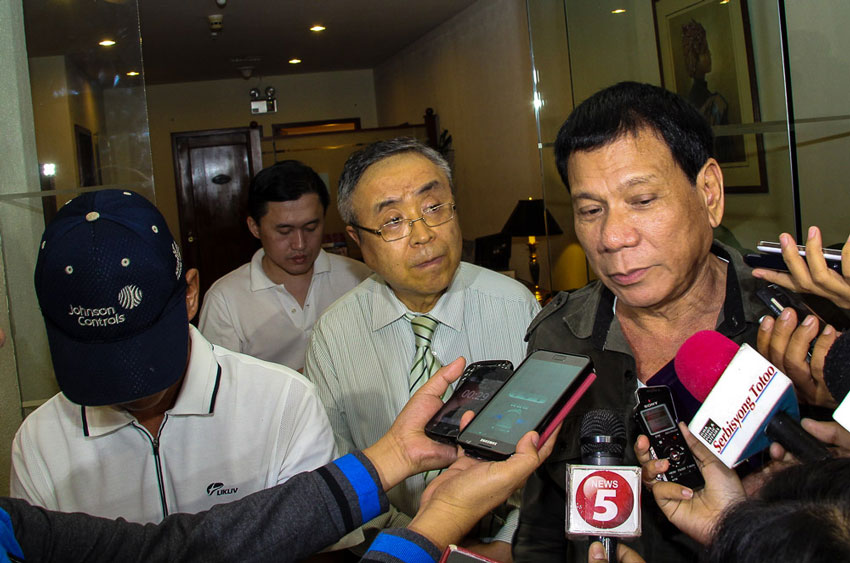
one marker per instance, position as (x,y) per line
(193,106)
(53,118)
(475,71)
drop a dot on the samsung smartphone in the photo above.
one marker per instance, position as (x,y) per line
(770,257)
(540,392)
(479,382)
(655,415)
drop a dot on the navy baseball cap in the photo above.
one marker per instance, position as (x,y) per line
(111,287)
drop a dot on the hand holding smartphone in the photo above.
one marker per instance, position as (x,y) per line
(538,396)
(479,382)
(770,257)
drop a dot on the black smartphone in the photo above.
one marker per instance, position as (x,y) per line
(770,257)
(777,298)
(655,415)
(479,382)
(540,392)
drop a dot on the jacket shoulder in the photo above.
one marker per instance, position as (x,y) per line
(558,303)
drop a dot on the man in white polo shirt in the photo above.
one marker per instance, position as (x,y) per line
(152,418)
(267,307)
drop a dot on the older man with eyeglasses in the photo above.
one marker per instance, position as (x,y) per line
(423,307)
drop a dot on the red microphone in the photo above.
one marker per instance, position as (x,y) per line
(746,401)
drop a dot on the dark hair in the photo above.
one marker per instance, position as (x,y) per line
(802,514)
(625,109)
(359,161)
(286,180)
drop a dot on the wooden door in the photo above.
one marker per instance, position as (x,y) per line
(213,170)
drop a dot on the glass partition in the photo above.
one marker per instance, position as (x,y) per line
(579,47)
(90,128)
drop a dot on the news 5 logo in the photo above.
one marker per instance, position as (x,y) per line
(603,500)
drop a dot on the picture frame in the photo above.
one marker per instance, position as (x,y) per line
(706,55)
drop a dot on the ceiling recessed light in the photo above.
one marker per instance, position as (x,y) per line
(618,11)
(107,43)
(132,73)
(294,61)
(317,27)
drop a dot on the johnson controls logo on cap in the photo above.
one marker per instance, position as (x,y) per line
(176,251)
(129,297)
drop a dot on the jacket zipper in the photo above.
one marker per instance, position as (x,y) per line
(158,464)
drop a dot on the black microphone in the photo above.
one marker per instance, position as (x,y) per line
(603,441)
(836,376)
(836,367)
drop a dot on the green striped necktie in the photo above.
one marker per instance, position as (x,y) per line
(425,364)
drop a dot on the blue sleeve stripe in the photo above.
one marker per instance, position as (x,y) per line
(400,548)
(8,543)
(363,484)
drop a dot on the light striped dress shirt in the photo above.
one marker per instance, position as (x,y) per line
(362,348)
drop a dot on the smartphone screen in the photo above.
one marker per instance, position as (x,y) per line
(479,382)
(540,385)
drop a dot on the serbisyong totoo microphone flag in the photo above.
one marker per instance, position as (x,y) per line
(746,393)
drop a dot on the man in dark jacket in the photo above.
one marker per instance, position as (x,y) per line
(646,194)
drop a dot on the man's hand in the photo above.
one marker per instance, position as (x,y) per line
(812,274)
(625,554)
(693,512)
(786,346)
(830,433)
(466,491)
(405,450)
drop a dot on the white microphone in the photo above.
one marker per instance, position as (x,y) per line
(747,403)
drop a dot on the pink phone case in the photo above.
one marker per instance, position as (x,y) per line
(568,406)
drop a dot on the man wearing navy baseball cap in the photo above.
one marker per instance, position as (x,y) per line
(152,419)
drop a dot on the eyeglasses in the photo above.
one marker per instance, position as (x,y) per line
(434,216)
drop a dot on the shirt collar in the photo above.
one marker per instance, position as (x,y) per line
(197,395)
(260,281)
(387,308)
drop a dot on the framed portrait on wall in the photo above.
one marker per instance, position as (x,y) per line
(707,57)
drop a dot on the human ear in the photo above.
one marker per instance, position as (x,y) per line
(352,232)
(710,187)
(193,292)
(253,227)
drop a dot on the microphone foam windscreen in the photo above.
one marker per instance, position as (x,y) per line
(602,430)
(836,368)
(701,360)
